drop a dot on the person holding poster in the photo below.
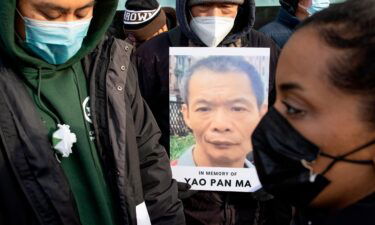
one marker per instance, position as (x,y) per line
(224,95)
(224,100)
(152,58)
(316,147)
(202,23)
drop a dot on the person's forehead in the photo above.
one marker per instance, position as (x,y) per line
(210,83)
(66,4)
(305,57)
(304,74)
(204,73)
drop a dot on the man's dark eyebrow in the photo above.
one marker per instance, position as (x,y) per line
(246,102)
(290,86)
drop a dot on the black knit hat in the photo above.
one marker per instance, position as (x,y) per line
(143,17)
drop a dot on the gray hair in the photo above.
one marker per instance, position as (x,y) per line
(225,64)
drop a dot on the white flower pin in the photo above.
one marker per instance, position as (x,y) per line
(63,140)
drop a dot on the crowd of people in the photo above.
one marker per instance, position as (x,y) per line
(84,112)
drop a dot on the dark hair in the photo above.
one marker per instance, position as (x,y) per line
(350,28)
(226,64)
(289,5)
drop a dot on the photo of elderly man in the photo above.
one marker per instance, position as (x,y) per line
(224,99)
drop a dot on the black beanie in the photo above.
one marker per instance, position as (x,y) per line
(143,16)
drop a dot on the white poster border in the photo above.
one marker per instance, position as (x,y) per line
(218,178)
(248,51)
(230,179)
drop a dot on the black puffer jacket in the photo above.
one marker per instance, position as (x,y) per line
(33,187)
(153,58)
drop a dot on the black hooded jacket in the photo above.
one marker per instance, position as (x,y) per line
(153,57)
(33,188)
(153,66)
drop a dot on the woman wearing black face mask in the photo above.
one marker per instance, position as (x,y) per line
(316,146)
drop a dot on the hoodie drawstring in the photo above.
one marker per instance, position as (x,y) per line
(43,107)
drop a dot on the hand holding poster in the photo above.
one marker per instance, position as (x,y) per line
(217,98)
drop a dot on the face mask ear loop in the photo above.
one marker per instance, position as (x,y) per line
(363,162)
(342,157)
(191,15)
(335,160)
(19,13)
(304,8)
(23,18)
(359,148)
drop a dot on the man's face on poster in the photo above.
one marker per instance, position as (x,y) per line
(222,112)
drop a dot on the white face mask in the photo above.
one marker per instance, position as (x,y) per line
(211,30)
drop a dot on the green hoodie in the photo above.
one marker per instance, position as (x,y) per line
(60,94)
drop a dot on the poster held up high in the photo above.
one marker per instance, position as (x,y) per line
(217,98)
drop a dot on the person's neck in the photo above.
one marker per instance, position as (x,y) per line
(355,196)
(357,189)
(358,193)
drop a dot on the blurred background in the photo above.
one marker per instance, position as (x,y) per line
(266,9)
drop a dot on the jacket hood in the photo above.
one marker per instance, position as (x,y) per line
(104,11)
(171,17)
(243,24)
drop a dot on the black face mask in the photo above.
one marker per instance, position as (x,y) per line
(282,157)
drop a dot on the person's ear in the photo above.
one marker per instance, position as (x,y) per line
(263,110)
(185,114)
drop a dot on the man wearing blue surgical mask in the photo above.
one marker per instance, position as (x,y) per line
(291,14)
(208,23)
(78,145)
